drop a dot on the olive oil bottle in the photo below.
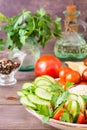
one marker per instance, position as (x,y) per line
(71,46)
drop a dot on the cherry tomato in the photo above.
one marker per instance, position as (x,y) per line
(83,82)
(84,75)
(63,71)
(81,118)
(73,76)
(58,114)
(62,82)
(48,65)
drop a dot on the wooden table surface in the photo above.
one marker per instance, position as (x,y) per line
(13,115)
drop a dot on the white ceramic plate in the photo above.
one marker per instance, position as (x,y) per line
(59,124)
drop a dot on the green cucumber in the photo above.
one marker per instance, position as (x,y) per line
(74,109)
(80,100)
(48,88)
(72,97)
(42,93)
(82,104)
(51,79)
(27,85)
(36,100)
(20,93)
(41,81)
(26,102)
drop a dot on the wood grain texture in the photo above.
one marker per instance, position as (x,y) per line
(15,117)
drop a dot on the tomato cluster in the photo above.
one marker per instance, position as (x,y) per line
(52,66)
(67,74)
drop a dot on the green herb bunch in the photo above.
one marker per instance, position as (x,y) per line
(39,27)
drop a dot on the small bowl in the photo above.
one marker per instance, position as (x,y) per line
(10,62)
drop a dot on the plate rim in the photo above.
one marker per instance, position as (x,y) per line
(66,124)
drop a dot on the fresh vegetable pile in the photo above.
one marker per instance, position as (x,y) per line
(47,97)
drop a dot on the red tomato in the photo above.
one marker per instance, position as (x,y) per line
(84,75)
(83,82)
(48,65)
(58,114)
(62,82)
(86,113)
(63,71)
(81,118)
(73,76)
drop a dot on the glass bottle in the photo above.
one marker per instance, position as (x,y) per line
(71,46)
(32,51)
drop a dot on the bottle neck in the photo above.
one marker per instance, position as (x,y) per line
(71,21)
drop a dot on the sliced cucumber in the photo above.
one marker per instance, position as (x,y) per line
(51,79)
(74,109)
(27,85)
(80,100)
(40,81)
(48,88)
(20,93)
(36,100)
(42,93)
(82,104)
(72,97)
(26,102)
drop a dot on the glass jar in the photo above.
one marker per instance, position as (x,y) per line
(10,62)
(71,45)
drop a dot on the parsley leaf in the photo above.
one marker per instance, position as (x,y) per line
(62,98)
(66,116)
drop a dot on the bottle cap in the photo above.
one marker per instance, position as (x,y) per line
(71,8)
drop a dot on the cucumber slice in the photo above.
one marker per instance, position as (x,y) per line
(40,81)
(47,88)
(82,104)
(36,100)
(80,100)
(74,109)
(20,93)
(26,102)
(42,93)
(72,97)
(51,79)
(27,85)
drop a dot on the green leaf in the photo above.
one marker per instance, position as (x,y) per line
(57,88)
(9,41)
(69,84)
(41,12)
(23,37)
(2,17)
(53,100)
(62,98)
(22,17)
(31,26)
(45,110)
(66,116)
(40,25)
